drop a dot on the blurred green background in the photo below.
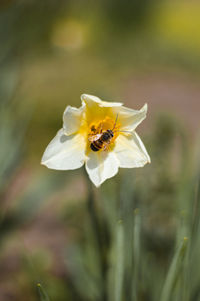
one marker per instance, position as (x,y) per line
(137,237)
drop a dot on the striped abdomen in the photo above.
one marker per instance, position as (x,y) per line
(102,141)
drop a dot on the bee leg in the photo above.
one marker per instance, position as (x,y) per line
(105,148)
(90,137)
(101,127)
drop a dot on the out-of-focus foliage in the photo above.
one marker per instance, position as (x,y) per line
(137,237)
(128,14)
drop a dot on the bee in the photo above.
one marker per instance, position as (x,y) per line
(101,140)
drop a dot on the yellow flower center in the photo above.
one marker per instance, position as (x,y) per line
(100,126)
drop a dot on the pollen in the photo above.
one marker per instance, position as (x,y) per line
(101,126)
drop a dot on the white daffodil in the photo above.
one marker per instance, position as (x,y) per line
(100,134)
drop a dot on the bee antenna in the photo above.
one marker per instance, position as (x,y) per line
(124,132)
(115,121)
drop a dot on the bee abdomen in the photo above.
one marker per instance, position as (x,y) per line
(93,147)
(96,145)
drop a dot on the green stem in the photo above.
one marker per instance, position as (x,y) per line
(98,235)
(42,293)
(119,264)
(136,252)
(174,270)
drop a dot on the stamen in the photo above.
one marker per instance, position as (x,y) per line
(93,129)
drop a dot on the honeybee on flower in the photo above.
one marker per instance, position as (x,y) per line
(99,134)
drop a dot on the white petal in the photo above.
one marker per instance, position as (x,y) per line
(130,151)
(65,152)
(130,119)
(101,166)
(72,119)
(90,99)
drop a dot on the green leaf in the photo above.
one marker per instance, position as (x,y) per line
(174,270)
(136,251)
(42,293)
(119,264)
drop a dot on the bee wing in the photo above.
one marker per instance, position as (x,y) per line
(93,138)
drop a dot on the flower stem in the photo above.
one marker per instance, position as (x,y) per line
(136,252)
(174,270)
(42,293)
(95,223)
(119,264)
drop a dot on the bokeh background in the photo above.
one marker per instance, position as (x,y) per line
(55,228)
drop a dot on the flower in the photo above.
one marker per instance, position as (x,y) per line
(83,140)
